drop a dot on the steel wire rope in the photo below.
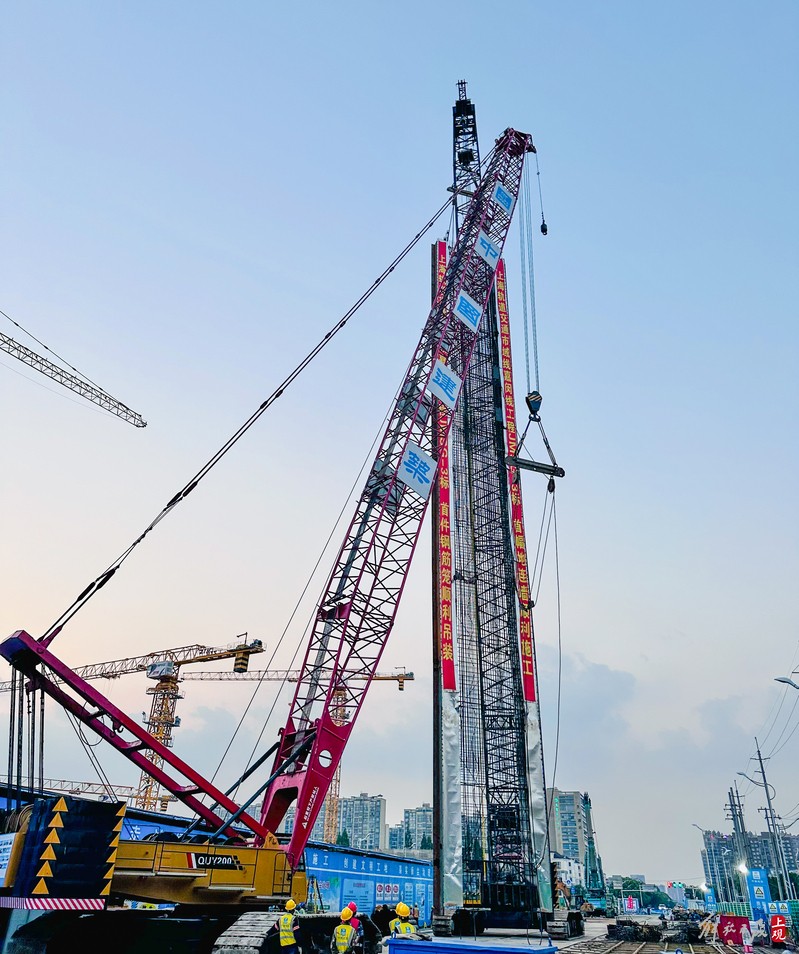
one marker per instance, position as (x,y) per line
(777,747)
(528,279)
(106,575)
(540,196)
(540,567)
(301,641)
(540,538)
(523,256)
(530,330)
(88,748)
(531,287)
(781,701)
(776,705)
(560,662)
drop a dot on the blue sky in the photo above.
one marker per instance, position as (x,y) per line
(192,195)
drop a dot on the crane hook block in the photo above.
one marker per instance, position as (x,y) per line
(534,400)
(543,227)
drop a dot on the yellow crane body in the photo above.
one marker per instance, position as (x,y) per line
(186,873)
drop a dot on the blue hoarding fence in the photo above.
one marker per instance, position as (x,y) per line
(369,879)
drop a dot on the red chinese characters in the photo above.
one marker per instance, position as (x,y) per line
(517,515)
(446,646)
(779,929)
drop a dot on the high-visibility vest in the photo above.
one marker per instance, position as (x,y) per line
(400,927)
(343,937)
(287,922)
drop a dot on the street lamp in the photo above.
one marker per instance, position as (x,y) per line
(786,680)
(743,869)
(759,784)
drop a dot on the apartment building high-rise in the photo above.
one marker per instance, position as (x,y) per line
(572,835)
(318,830)
(396,837)
(363,817)
(418,824)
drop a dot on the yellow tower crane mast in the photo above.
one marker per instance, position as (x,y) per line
(162,719)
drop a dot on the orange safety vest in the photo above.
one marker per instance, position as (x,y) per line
(343,937)
(287,922)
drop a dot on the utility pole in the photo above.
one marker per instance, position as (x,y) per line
(776,840)
(735,815)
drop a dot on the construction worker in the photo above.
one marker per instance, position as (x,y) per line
(287,927)
(356,924)
(401,926)
(344,934)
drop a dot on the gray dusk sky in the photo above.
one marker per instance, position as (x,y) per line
(193,193)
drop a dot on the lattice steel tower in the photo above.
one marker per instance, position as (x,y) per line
(497,843)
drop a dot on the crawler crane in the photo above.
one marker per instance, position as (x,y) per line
(352,622)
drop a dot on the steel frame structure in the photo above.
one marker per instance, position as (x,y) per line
(498,864)
(465,172)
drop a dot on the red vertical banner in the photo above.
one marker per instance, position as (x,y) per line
(516,510)
(444,528)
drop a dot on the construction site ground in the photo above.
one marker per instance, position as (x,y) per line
(594,941)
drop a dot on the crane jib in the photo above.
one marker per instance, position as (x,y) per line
(360,601)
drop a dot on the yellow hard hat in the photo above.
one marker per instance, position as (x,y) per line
(291,904)
(346,914)
(403,910)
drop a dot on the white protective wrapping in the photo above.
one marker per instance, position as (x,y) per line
(538,805)
(451,846)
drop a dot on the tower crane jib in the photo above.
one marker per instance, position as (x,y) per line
(70,381)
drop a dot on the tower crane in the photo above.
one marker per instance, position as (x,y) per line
(73,382)
(180,655)
(354,616)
